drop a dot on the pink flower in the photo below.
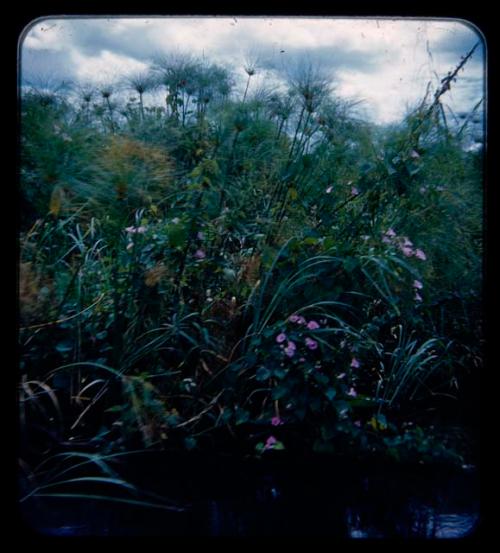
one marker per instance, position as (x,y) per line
(329,189)
(301,320)
(290,349)
(199,254)
(417,284)
(293,318)
(414,154)
(418,297)
(311,344)
(352,392)
(200,235)
(340,376)
(134,230)
(302,359)
(276,421)
(386,240)
(390,233)
(357,423)
(407,251)
(420,254)
(312,325)
(354,191)
(355,364)
(270,442)
(281,337)
(407,242)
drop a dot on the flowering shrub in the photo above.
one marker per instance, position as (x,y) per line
(223,267)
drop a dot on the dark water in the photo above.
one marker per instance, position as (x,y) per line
(280,497)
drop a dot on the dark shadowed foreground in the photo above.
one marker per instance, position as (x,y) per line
(221,497)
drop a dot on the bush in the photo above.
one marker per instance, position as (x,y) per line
(225,266)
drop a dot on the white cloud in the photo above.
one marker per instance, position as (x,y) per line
(107,65)
(386,62)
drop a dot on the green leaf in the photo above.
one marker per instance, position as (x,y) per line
(350,263)
(321,378)
(342,407)
(114,409)
(177,235)
(280,392)
(378,422)
(64,347)
(279,373)
(331,393)
(242,416)
(310,241)
(262,374)
(229,274)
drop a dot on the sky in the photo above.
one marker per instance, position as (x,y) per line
(386,63)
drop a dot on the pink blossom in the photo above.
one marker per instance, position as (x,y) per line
(390,233)
(417,284)
(270,442)
(354,191)
(302,359)
(414,154)
(329,189)
(293,318)
(311,344)
(276,421)
(312,325)
(281,337)
(386,240)
(199,254)
(420,254)
(352,392)
(407,251)
(200,235)
(418,297)
(357,423)
(290,349)
(407,242)
(355,364)
(134,230)
(301,320)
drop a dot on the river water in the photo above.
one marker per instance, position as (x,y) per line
(222,497)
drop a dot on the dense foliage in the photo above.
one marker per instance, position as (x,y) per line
(265,270)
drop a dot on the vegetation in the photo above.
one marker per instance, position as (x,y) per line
(204,269)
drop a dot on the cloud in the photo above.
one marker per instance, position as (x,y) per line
(458,40)
(388,62)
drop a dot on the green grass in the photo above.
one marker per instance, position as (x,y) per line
(163,249)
